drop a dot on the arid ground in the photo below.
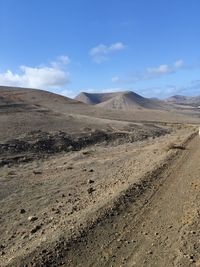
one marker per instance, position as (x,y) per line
(85,186)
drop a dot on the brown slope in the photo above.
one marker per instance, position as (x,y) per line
(96,98)
(24,110)
(33,96)
(131,100)
(126,100)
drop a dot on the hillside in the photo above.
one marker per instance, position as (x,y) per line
(126,100)
(24,110)
(95,98)
(131,100)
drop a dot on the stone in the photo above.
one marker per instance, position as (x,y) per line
(90,190)
(22,211)
(69,167)
(32,218)
(37,172)
(90,181)
(35,229)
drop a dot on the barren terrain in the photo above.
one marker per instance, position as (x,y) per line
(81,186)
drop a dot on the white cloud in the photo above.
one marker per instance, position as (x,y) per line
(179,64)
(162,69)
(60,61)
(115,79)
(151,73)
(64,59)
(116,46)
(188,89)
(43,77)
(100,53)
(165,69)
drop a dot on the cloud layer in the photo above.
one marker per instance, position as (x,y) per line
(151,73)
(189,89)
(43,77)
(101,52)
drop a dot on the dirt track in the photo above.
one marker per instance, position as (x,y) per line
(159,229)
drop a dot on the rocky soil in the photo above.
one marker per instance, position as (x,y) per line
(38,144)
(49,203)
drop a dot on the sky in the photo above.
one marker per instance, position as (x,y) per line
(67,46)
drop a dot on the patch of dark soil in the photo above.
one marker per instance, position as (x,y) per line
(8,105)
(37,144)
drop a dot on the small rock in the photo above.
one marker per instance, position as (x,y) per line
(22,211)
(35,229)
(192,232)
(69,167)
(90,181)
(37,172)
(63,195)
(124,260)
(32,218)
(91,170)
(24,236)
(90,190)
(57,211)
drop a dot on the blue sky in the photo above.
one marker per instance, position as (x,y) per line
(68,46)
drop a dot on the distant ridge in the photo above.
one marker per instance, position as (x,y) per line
(178,99)
(184,100)
(125,100)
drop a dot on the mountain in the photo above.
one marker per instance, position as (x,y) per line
(95,98)
(126,100)
(184,100)
(24,110)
